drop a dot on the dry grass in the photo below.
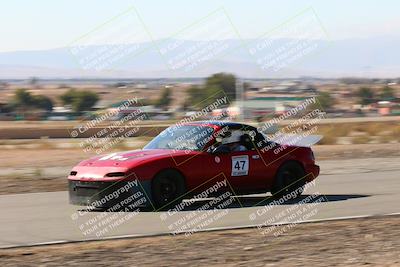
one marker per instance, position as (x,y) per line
(396,132)
(386,132)
(361,139)
(385,139)
(328,139)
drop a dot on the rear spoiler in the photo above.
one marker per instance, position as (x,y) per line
(295,140)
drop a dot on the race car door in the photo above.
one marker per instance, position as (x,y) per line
(247,170)
(244,170)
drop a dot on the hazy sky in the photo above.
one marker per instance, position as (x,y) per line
(44,24)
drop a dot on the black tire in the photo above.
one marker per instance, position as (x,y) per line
(168,188)
(289,179)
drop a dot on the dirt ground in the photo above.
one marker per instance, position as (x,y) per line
(359,242)
(26,170)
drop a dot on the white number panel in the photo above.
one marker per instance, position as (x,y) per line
(240,165)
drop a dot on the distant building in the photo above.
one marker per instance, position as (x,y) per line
(60,114)
(262,106)
(384,108)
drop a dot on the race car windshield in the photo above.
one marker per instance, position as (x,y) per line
(187,137)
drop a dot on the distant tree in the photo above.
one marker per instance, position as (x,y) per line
(33,81)
(212,92)
(366,96)
(79,100)
(324,101)
(84,100)
(200,97)
(165,98)
(23,98)
(387,93)
(43,102)
(216,86)
(195,95)
(68,97)
(224,82)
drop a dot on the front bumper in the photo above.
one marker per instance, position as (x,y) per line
(114,195)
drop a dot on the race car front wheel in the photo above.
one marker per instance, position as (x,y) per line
(289,181)
(168,188)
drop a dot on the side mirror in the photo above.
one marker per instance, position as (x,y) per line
(222,149)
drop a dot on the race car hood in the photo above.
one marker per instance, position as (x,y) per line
(130,158)
(117,164)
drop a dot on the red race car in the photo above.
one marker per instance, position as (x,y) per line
(190,158)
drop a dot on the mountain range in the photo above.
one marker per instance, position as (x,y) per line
(369,57)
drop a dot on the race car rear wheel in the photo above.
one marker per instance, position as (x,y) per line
(290,180)
(168,188)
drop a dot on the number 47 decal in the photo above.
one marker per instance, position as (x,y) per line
(240,165)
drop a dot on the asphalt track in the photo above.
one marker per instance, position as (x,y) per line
(347,188)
